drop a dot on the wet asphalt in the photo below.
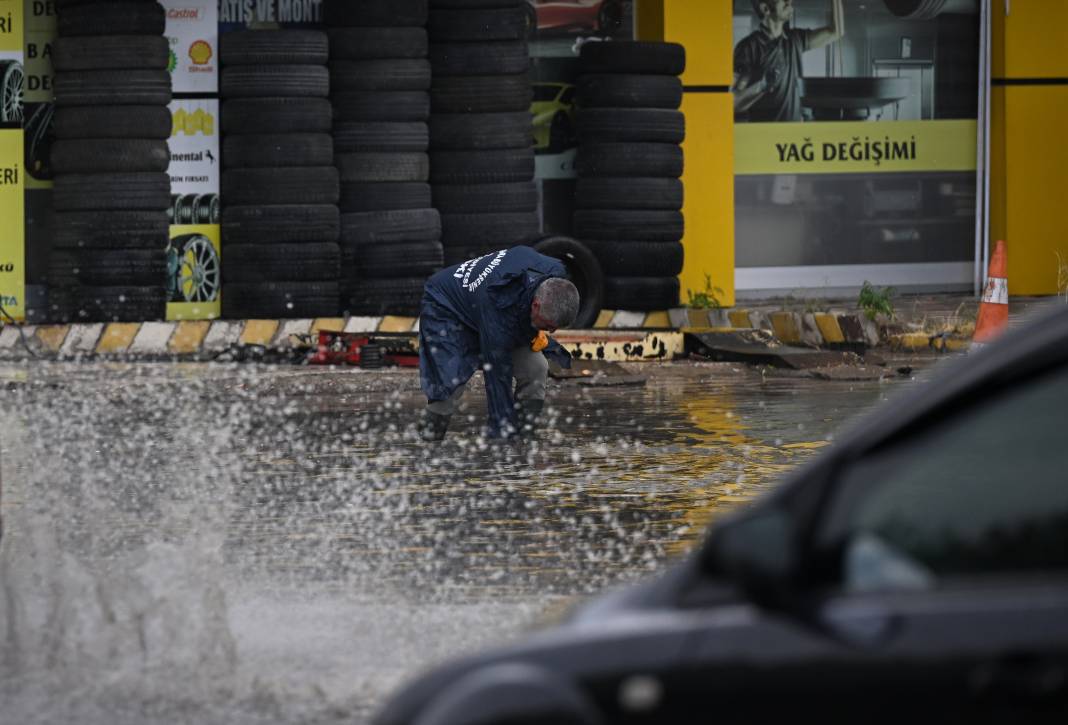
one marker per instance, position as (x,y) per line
(272,544)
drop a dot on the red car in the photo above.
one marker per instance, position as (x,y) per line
(576,16)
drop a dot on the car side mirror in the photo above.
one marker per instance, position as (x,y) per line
(759,552)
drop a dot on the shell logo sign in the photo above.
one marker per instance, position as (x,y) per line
(198,121)
(200,52)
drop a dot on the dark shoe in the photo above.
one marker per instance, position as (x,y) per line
(528,414)
(432,426)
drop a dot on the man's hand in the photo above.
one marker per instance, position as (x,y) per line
(835,31)
(540,341)
(747,93)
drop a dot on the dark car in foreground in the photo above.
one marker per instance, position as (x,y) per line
(917,569)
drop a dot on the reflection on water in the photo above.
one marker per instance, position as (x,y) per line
(225,544)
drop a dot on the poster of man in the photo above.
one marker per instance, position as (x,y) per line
(767,62)
(854,60)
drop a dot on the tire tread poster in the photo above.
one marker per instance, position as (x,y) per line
(12,168)
(855,143)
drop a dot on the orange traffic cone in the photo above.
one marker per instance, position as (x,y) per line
(994,307)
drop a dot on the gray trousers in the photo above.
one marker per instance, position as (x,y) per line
(530,370)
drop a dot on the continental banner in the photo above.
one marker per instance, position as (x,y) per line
(193,252)
(854,147)
(12,167)
(193,266)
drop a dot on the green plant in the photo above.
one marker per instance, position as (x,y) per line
(706,299)
(874,301)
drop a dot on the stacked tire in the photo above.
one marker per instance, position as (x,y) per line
(280,221)
(481,133)
(380,77)
(111,188)
(628,197)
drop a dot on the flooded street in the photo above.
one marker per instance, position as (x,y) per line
(239,544)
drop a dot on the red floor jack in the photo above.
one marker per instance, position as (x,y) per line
(365,349)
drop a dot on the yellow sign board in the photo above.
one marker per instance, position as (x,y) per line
(12,171)
(193,269)
(851,147)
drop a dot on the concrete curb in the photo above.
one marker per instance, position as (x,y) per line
(618,335)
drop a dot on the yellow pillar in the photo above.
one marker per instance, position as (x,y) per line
(703,27)
(1029,165)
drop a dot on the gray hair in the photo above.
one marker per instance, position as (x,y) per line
(558,300)
(756,8)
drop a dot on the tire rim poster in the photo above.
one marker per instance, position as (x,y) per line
(12,172)
(193,252)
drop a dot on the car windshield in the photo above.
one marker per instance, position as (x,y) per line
(980,493)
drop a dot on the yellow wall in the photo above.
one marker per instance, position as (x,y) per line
(704,28)
(1028,160)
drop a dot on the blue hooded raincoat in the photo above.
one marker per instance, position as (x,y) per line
(473,315)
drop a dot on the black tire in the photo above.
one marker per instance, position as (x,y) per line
(281,262)
(375,43)
(481,94)
(116,122)
(88,156)
(394,296)
(629,159)
(643,125)
(280,224)
(112,88)
(631,259)
(636,225)
(111,18)
(399,259)
(110,52)
(145,191)
(641,294)
(387,227)
(364,167)
(263,81)
(273,47)
(583,270)
(242,300)
(277,150)
(380,136)
(459,131)
(503,229)
(411,74)
(628,193)
(107,268)
(296,185)
(107,304)
(381,106)
(499,23)
(623,56)
(474,59)
(106,230)
(277,115)
(375,13)
(521,196)
(605,90)
(371,196)
(481,167)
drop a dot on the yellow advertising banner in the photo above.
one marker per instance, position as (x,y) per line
(12,173)
(854,147)
(194,272)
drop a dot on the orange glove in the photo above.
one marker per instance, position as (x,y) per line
(540,342)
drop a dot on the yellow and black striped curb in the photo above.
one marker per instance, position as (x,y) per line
(617,335)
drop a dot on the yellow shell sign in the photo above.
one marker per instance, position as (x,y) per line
(200,52)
